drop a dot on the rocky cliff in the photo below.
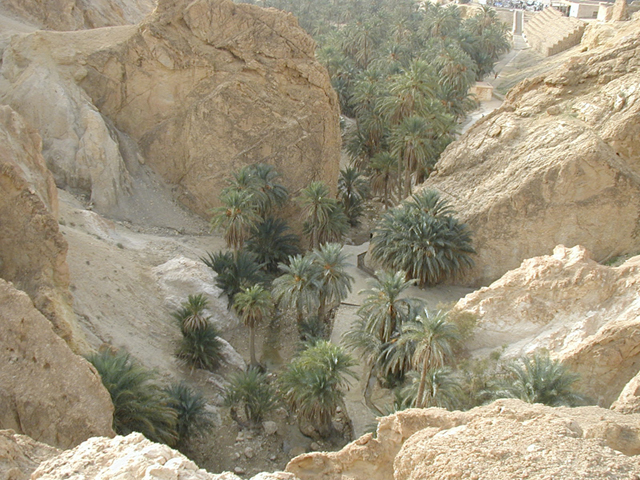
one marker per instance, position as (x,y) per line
(558,163)
(78,14)
(195,91)
(580,311)
(32,250)
(504,440)
(46,391)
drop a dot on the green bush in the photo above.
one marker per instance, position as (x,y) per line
(254,392)
(140,404)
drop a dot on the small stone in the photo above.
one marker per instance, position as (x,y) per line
(315,446)
(239,470)
(270,428)
(339,410)
(248,452)
(273,458)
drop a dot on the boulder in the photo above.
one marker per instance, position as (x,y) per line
(201,88)
(46,391)
(32,250)
(558,163)
(504,440)
(629,399)
(583,313)
(132,457)
(21,455)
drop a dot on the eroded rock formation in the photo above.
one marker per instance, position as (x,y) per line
(79,14)
(558,163)
(46,391)
(21,455)
(504,440)
(132,457)
(202,88)
(582,312)
(32,250)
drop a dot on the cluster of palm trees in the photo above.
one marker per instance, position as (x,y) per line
(171,414)
(402,69)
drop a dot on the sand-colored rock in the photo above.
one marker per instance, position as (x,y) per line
(505,440)
(79,14)
(580,311)
(46,391)
(133,458)
(32,250)
(629,399)
(21,455)
(202,88)
(558,163)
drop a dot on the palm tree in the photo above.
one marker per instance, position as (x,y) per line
(200,348)
(384,308)
(237,216)
(253,305)
(324,219)
(384,168)
(333,280)
(139,403)
(191,314)
(235,272)
(353,189)
(423,238)
(254,392)
(272,243)
(539,379)
(191,407)
(313,384)
(298,286)
(412,144)
(272,193)
(442,389)
(428,338)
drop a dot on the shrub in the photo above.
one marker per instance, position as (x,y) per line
(253,391)
(140,405)
(200,348)
(191,408)
(424,239)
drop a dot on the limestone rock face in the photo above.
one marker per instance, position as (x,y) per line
(201,89)
(21,455)
(79,14)
(504,440)
(46,391)
(580,311)
(558,163)
(32,250)
(629,399)
(132,457)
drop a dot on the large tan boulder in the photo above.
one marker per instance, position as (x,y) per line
(583,313)
(46,391)
(504,440)
(558,163)
(201,87)
(32,250)
(78,14)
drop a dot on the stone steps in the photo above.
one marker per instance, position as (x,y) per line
(550,32)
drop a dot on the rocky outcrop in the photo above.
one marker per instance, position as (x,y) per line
(79,14)
(629,399)
(580,311)
(32,250)
(132,457)
(46,391)
(558,163)
(21,455)
(196,91)
(505,440)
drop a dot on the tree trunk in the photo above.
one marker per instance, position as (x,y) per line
(252,346)
(423,382)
